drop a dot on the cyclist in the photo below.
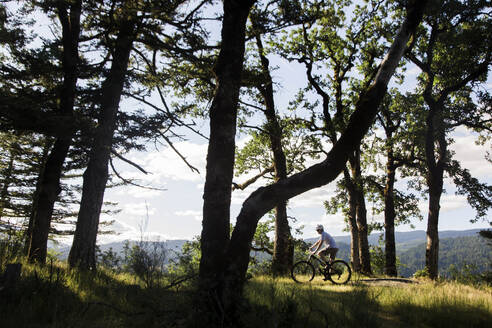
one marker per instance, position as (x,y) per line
(325,245)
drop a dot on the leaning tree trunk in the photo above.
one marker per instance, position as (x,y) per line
(389,217)
(48,188)
(82,254)
(283,247)
(265,198)
(221,148)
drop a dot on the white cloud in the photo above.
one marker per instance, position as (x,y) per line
(314,197)
(138,209)
(166,164)
(197,215)
(453,202)
(470,155)
(139,192)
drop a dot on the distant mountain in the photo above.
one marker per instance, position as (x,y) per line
(456,247)
(173,246)
(407,239)
(458,251)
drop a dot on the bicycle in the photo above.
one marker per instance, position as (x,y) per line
(338,271)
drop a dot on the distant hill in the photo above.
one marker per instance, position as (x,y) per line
(456,247)
(117,247)
(407,239)
(457,251)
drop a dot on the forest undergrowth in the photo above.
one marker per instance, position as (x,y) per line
(54,296)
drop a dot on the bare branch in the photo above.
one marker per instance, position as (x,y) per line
(169,142)
(141,169)
(253,179)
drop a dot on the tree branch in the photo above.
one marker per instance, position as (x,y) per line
(252,180)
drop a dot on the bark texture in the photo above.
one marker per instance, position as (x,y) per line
(82,253)
(48,186)
(352,222)
(265,198)
(221,148)
(283,247)
(361,213)
(435,173)
(389,216)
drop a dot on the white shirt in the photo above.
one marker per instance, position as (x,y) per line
(327,241)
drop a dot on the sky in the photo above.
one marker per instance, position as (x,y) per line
(176,212)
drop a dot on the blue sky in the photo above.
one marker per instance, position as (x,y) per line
(176,212)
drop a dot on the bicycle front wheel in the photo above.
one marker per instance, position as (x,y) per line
(302,272)
(340,272)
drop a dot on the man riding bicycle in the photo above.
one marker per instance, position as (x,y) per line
(325,245)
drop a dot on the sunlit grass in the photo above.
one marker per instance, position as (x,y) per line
(320,303)
(54,296)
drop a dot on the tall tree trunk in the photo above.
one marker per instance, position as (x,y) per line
(49,188)
(361,218)
(283,249)
(389,216)
(4,193)
(220,157)
(364,254)
(352,222)
(435,174)
(265,198)
(82,254)
(35,196)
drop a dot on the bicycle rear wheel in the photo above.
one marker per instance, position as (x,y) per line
(302,272)
(340,272)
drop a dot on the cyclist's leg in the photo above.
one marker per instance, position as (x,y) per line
(322,255)
(332,252)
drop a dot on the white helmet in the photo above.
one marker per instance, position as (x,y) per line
(319,227)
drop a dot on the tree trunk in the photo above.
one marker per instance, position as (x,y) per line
(389,217)
(361,211)
(265,198)
(283,248)
(48,188)
(4,193)
(35,197)
(364,254)
(220,157)
(352,222)
(82,254)
(435,173)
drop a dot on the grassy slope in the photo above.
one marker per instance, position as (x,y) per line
(54,297)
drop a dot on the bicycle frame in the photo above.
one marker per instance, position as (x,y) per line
(319,259)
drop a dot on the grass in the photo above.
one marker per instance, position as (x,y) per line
(54,296)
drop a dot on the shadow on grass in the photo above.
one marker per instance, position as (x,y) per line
(278,304)
(443,314)
(56,297)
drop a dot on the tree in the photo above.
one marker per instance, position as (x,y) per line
(453,52)
(220,157)
(224,275)
(48,187)
(333,50)
(399,152)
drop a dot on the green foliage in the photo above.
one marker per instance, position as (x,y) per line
(146,260)
(187,261)
(454,253)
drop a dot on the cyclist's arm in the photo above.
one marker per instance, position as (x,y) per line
(317,245)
